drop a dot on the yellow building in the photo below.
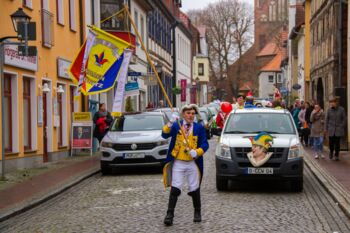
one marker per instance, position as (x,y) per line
(308,91)
(38,92)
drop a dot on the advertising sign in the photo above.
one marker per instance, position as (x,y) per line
(62,68)
(81,116)
(13,59)
(183,90)
(82,135)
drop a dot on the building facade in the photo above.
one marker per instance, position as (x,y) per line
(328,69)
(38,91)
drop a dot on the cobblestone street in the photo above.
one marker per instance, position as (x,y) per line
(137,203)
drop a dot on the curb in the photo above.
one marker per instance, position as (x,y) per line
(47,196)
(330,184)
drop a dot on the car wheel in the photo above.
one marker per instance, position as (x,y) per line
(105,170)
(296,185)
(221,183)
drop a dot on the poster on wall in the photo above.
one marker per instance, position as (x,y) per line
(82,135)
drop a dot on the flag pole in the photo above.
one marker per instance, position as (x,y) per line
(154,71)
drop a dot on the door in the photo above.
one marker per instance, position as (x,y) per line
(45,129)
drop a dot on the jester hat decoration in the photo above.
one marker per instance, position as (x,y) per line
(262,139)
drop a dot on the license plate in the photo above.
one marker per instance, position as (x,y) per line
(260,171)
(134,156)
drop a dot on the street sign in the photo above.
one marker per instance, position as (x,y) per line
(296,86)
(283,90)
(131,86)
(134,73)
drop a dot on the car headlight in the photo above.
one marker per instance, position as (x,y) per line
(161,143)
(107,144)
(295,151)
(224,151)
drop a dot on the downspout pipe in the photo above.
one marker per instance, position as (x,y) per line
(173,42)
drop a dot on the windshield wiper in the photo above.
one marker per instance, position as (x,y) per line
(235,132)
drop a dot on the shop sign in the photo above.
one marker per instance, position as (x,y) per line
(62,68)
(183,89)
(81,116)
(13,59)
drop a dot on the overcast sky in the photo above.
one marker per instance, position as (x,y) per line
(199,4)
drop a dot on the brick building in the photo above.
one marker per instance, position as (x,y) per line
(270,16)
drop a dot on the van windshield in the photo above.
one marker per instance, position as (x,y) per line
(274,123)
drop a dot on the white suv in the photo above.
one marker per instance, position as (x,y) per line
(286,161)
(134,140)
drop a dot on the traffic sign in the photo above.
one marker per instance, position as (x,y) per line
(134,73)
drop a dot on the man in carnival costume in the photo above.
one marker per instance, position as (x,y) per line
(184,159)
(260,146)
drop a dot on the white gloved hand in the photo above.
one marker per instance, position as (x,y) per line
(174,117)
(193,153)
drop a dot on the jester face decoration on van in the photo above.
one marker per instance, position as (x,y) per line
(260,146)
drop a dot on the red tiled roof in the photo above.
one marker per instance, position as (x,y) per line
(274,64)
(269,49)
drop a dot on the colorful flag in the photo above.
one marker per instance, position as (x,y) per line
(104,57)
(119,91)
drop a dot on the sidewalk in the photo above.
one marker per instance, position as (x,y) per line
(333,175)
(39,184)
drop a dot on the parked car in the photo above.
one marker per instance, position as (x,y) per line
(134,140)
(203,120)
(286,162)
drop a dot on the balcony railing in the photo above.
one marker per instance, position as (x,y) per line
(47,28)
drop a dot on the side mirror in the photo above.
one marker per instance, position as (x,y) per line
(217,131)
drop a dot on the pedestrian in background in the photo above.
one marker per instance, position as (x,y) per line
(102,120)
(317,118)
(295,114)
(309,109)
(334,126)
(240,102)
(161,104)
(303,124)
(184,160)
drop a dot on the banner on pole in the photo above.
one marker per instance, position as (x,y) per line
(98,63)
(119,91)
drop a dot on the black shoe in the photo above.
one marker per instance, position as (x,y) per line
(174,193)
(197,215)
(330,156)
(196,199)
(336,158)
(168,220)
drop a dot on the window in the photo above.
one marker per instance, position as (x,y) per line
(7,113)
(47,28)
(60,12)
(28,3)
(279,78)
(27,140)
(136,20)
(200,68)
(108,8)
(60,115)
(271,79)
(142,29)
(71,99)
(72,22)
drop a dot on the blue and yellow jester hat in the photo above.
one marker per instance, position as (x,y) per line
(262,139)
